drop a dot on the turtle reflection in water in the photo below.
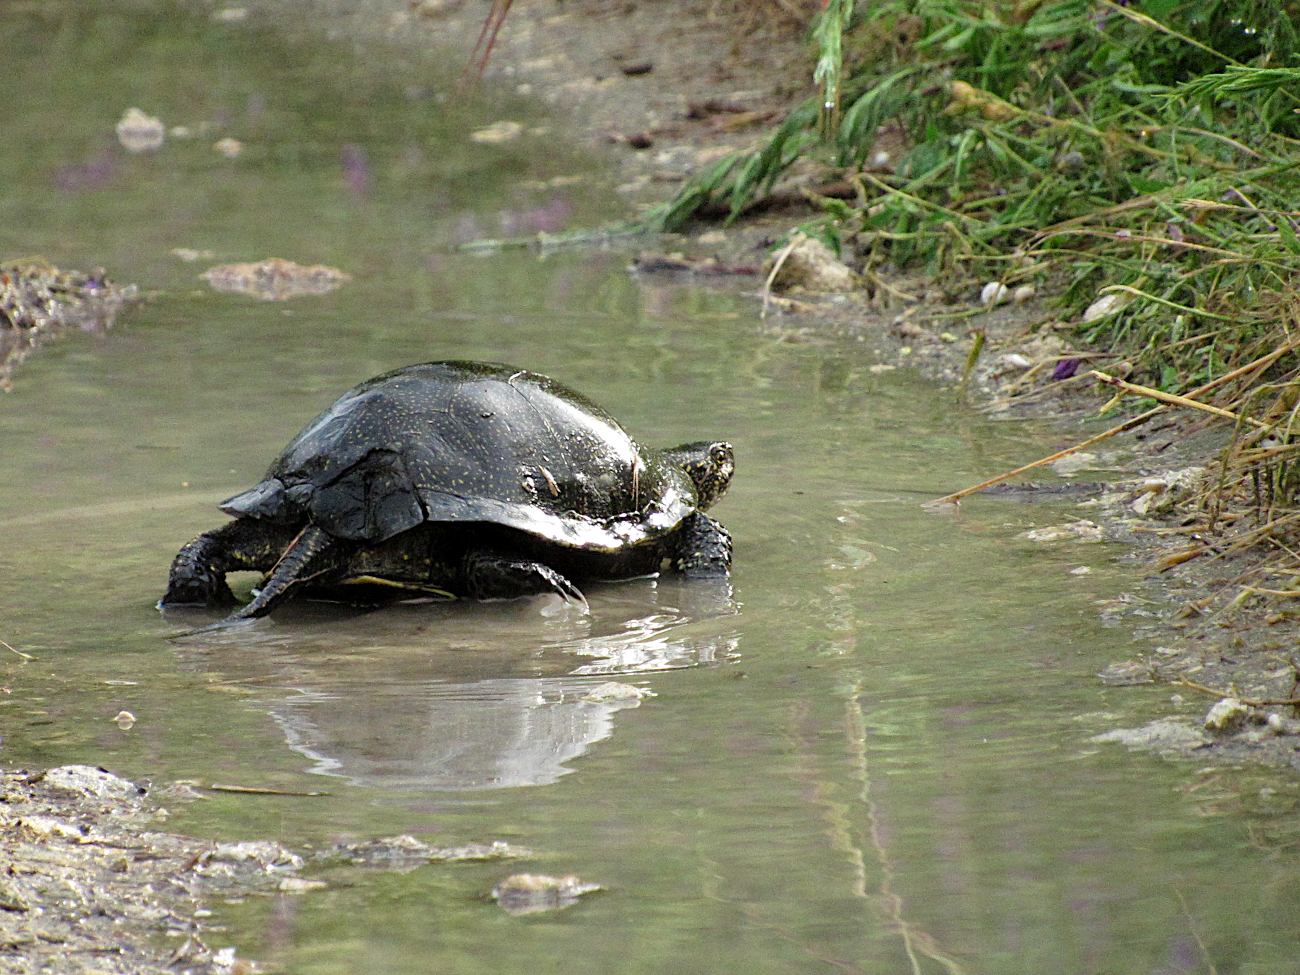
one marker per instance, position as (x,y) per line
(462,479)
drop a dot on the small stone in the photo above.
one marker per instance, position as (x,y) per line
(267,854)
(1071,464)
(1163,735)
(1071,163)
(1281,725)
(1127,673)
(275,279)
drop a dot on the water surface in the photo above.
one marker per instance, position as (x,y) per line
(869,755)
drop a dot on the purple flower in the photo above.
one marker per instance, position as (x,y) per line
(1065,369)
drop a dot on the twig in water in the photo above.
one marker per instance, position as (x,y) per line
(25,656)
(798,238)
(1171,398)
(1191,923)
(254,790)
(1249,702)
(1129,424)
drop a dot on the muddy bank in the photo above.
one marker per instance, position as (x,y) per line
(93,882)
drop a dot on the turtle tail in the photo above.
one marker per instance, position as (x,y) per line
(311,554)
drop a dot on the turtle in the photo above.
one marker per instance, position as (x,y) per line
(461,479)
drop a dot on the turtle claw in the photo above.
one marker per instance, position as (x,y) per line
(572,595)
(490,576)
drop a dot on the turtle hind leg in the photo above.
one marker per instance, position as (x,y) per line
(312,554)
(705,549)
(198,573)
(489,576)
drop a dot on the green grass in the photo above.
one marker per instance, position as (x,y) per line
(1154,148)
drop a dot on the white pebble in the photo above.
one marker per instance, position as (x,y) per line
(994,293)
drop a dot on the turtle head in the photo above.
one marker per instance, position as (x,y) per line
(709,465)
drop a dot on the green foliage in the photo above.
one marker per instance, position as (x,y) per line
(1151,146)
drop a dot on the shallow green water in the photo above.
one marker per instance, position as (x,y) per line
(870,756)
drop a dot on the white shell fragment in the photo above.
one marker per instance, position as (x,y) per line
(1108,304)
(139,132)
(230,148)
(994,293)
(503,131)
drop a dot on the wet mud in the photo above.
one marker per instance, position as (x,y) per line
(93,882)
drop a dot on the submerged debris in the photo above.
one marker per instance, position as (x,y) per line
(654,263)
(624,694)
(528,893)
(37,298)
(1165,735)
(1083,530)
(405,853)
(275,279)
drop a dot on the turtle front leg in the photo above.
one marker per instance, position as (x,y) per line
(705,548)
(489,576)
(198,573)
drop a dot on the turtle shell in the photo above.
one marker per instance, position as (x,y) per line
(471,442)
